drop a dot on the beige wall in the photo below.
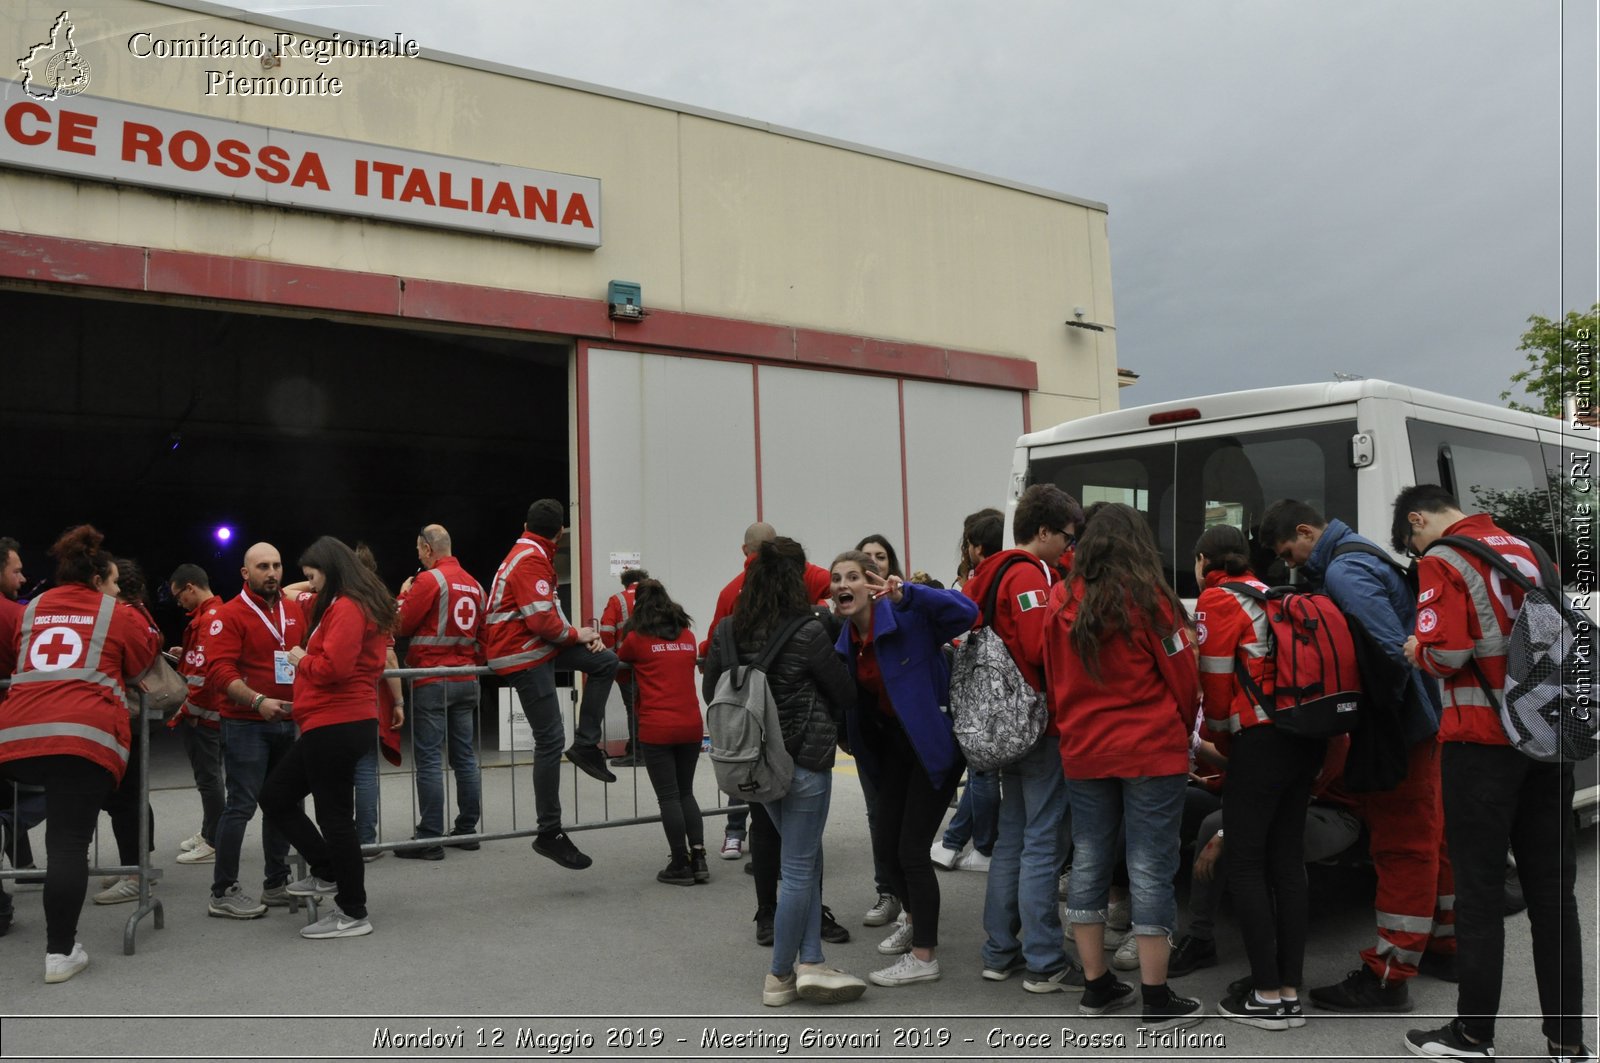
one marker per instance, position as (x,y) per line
(712,217)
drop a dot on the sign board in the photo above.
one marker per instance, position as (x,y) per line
(621,562)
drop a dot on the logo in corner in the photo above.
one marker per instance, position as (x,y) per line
(55,67)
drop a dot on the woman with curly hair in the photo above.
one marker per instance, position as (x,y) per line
(1123,683)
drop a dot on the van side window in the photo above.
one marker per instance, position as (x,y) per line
(1505,477)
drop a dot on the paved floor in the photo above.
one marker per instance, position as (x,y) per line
(501,954)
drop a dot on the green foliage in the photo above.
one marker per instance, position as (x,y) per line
(1553,350)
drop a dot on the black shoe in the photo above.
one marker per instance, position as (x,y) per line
(1104,996)
(429,852)
(1247,1009)
(1190,954)
(456,832)
(1448,1042)
(627,760)
(591,762)
(677,873)
(832,932)
(1240,985)
(749,867)
(697,864)
(1363,991)
(1440,965)
(764,926)
(558,847)
(1172,1014)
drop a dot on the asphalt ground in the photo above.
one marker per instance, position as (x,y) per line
(501,954)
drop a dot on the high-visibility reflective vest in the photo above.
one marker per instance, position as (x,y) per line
(443,616)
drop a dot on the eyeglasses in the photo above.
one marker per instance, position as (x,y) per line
(1071,537)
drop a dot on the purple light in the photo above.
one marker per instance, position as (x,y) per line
(223,533)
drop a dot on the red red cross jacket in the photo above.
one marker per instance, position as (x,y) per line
(668,706)
(525,625)
(10,631)
(205,702)
(1464,610)
(240,642)
(1229,626)
(617,611)
(337,680)
(78,650)
(442,614)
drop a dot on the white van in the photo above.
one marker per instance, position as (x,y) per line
(1346,449)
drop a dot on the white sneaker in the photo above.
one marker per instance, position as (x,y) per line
(120,891)
(821,984)
(944,856)
(899,941)
(1119,915)
(1126,957)
(907,970)
(200,854)
(974,861)
(732,846)
(58,967)
(311,886)
(886,911)
(193,841)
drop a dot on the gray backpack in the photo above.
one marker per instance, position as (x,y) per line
(747,751)
(996,714)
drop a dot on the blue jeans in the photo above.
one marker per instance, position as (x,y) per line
(249,752)
(437,710)
(1151,810)
(1020,897)
(366,797)
(800,817)
(536,690)
(977,816)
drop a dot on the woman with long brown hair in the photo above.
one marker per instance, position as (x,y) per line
(336,709)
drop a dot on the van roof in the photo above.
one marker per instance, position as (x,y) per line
(1232,404)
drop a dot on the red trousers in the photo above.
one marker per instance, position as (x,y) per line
(1416,890)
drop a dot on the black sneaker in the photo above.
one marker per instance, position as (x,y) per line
(1440,965)
(627,760)
(1105,998)
(558,847)
(1448,1042)
(698,865)
(592,762)
(1174,1014)
(1363,991)
(1190,954)
(832,932)
(428,852)
(764,926)
(677,872)
(457,832)
(1295,1013)
(1248,1010)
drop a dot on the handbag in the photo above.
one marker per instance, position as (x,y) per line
(164,689)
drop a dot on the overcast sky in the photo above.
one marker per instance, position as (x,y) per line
(1380,187)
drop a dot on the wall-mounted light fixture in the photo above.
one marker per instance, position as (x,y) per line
(626,300)
(1077,321)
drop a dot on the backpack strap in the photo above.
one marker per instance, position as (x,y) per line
(1372,550)
(727,652)
(986,617)
(776,643)
(1252,689)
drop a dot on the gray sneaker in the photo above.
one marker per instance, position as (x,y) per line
(277,896)
(236,904)
(312,886)
(336,925)
(1068,979)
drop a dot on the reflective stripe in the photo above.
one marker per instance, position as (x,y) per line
(442,640)
(194,710)
(1449,660)
(1444,930)
(530,657)
(1406,956)
(1412,924)
(64,730)
(1472,694)
(519,614)
(443,620)
(1447,902)
(1229,726)
(1493,643)
(498,587)
(194,680)
(1217,665)
(92,652)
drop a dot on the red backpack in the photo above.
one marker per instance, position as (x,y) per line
(1315,681)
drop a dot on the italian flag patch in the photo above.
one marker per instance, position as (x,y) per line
(1030,600)
(1174,643)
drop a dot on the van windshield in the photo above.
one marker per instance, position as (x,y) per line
(1185,487)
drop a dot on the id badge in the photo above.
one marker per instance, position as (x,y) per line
(282,668)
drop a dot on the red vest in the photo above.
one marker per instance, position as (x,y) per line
(68,697)
(205,703)
(525,625)
(443,615)
(1229,626)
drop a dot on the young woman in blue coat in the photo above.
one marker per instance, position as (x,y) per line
(892,640)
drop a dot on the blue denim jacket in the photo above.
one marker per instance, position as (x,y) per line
(910,639)
(1371,591)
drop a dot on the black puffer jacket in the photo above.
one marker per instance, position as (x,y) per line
(809,684)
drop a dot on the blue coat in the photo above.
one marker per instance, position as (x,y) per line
(1370,590)
(910,639)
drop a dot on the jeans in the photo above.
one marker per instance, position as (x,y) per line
(1150,807)
(977,817)
(204,748)
(536,690)
(74,789)
(1495,796)
(249,752)
(799,818)
(323,764)
(671,770)
(738,817)
(441,710)
(366,797)
(1020,897)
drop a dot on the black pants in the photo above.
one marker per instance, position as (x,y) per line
(322,763)
(1494,797)
(910,811)
(766,857)
(1264,803)
(74,790)
(671,770)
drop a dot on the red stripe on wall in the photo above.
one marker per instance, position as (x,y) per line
(905,481)
(250,281)
(585,584)
(755,401)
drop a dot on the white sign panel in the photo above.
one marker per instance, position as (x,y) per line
(622,562)
(111,140)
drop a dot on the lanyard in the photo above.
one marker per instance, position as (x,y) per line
(283,623)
